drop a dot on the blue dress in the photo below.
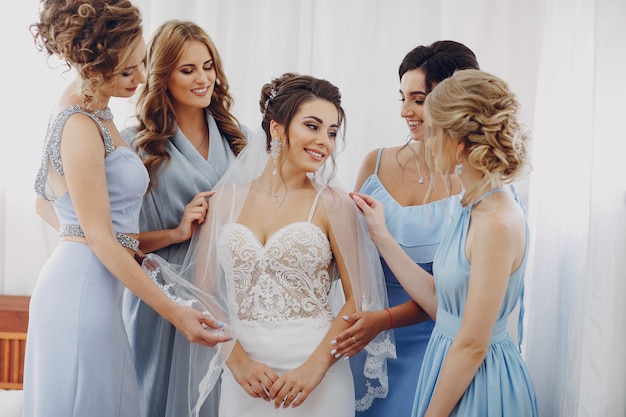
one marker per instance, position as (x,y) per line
(78,359)
(418,229)
(160,350)
(502,385)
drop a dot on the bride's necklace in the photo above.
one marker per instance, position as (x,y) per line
(276,195)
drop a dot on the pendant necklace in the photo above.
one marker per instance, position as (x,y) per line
(276,195)
(205,138)
(419,171)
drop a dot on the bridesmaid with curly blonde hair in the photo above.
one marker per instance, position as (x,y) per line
(90,187)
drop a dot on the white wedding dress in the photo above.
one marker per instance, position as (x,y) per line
(278,295)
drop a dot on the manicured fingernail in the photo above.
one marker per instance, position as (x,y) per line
(220,324)
(346,357)
(345,318)
(338,355)
(332,352)
(334,341)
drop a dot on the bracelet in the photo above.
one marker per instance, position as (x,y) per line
(390,319)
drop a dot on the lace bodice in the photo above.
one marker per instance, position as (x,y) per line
(285,279)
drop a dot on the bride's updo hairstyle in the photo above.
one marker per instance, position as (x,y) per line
(94,38)
(479,109)
(283,96)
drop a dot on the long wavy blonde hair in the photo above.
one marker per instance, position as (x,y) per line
(155,111)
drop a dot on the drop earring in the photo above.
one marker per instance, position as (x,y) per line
(275,147)
(458,168)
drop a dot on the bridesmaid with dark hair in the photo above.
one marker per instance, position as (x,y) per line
(419,207)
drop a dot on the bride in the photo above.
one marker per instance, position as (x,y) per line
(282,259)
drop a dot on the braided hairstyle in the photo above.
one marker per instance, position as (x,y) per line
(480,110)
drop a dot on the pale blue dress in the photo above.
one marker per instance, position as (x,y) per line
(418,230)
(502,385)
(78,359)
(163,379)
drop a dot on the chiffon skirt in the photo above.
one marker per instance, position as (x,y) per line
(502,385)
(78,359)
(284,348)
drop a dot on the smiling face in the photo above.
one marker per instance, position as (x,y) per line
(312,134)
(192,81)
(412,96)
(132,73)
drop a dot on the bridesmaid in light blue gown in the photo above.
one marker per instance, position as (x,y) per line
(419,207)
(471,366)
(90,186)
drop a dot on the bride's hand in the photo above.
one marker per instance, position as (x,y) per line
(255,378)
(294,386)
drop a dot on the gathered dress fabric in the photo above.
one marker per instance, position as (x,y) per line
(418,230)
(279,293)
(162,353)
(78,358)
(502,385)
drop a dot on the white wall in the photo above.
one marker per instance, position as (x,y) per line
(357,44)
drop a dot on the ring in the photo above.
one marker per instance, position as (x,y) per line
(354,340)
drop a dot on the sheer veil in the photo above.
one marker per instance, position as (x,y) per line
(201,282)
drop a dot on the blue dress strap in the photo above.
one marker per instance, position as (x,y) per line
(380,152)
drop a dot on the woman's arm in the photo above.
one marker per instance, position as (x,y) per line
(493,249)
(365,326)
(418,283)
(194,214)
(82,152)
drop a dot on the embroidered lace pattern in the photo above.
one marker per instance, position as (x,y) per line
(52,145)
(285,280)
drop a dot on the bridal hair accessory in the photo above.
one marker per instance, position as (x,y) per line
(272,95)
(458,168)
(275,146)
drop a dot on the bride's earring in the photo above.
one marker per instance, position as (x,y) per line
(458,168)
(275,147)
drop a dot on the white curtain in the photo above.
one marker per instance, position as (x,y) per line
(565,60)
(577,319)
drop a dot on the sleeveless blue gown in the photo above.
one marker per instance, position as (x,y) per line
(78,358)
(418,229)
(502,385)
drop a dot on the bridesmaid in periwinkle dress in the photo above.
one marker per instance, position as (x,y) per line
(90,185)
(471,366)
(419,207)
